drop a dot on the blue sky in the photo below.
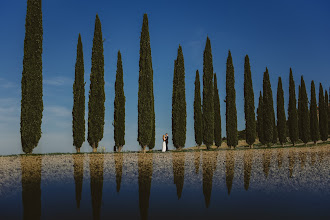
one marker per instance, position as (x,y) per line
(276,34)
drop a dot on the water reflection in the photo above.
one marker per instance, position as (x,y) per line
(230,169)
(197,156)
(248,156)
(118,157)
(302,158)
(291,157)
(96,163)
(178,160)
(145,176)
(266,156)
(209,166)
(78,173)
(313,158)
(31,191)
(279,157)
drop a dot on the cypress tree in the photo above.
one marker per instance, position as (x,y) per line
(78,111)
(281,119)
(268,110)
(231,113)
(179,114)
(31,102)
(304,114)
(198,112)
(260,119)
(146,113)
(250,122)
(292,112)
(326,107)
(217,115)
(119,106)
(96,93)
(322,115)
(314,123)
(299,114)
(208,102)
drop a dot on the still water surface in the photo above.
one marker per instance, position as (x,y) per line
(234,184)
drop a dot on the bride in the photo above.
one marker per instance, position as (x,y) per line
(164,144)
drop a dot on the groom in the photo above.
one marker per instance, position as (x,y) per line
(166,140)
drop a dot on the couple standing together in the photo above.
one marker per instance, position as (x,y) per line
(165,143)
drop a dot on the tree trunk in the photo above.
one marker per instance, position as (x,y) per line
(144,149)
(78,149)
(120,148)
(94,148)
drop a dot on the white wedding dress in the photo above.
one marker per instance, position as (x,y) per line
(164,146)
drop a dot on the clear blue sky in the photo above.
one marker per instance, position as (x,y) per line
(276,34)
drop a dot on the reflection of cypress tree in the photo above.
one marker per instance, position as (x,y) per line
(209,165)
(230,169)
(145,176)
(291,161)
(320,154)
(197,155)
(247,168)
(31,191)
(178,171)
(96,162)
(78,172)
(119,168)
(302,158)
(266,161)
(313,158)
(279,157)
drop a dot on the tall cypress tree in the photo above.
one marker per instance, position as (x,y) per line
(304,114)
(260,120)
(281,119)
(119,106)
(231,113)
(96,93)
(327,109)
(314,123)
(292,112)
(78,111)
(146,113)
(179,114)
(208,102)
(250,121)
(268,110)
(299,114)
(31,102)
(322,115)
(326,101)
(217,115)
(198,118)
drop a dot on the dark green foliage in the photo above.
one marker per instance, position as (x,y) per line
(275,135)
(78,111)
(208,101)
(119,106)
(299,113)
(217,116)
(260,123)
(198,118)
(268,110)
(146,112)
(179,114)
(292,111)
(250,121)
(326,117)
(303,113)
(314,123)
(231,113)
(96,93)
(323,118)
(281,119)
(328,106)
(32,103)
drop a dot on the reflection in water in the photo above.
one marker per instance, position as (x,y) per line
(209,165)
(197,156)
(248,155)
(302,158)
(320,154)
(266,161)
(96,163)
(279,157)
(118,157)
(291,161)
(31,191)
(178,160)
(78,170)
(145,176)
(230,169)
(313,158)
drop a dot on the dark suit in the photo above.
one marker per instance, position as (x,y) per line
(166,140)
